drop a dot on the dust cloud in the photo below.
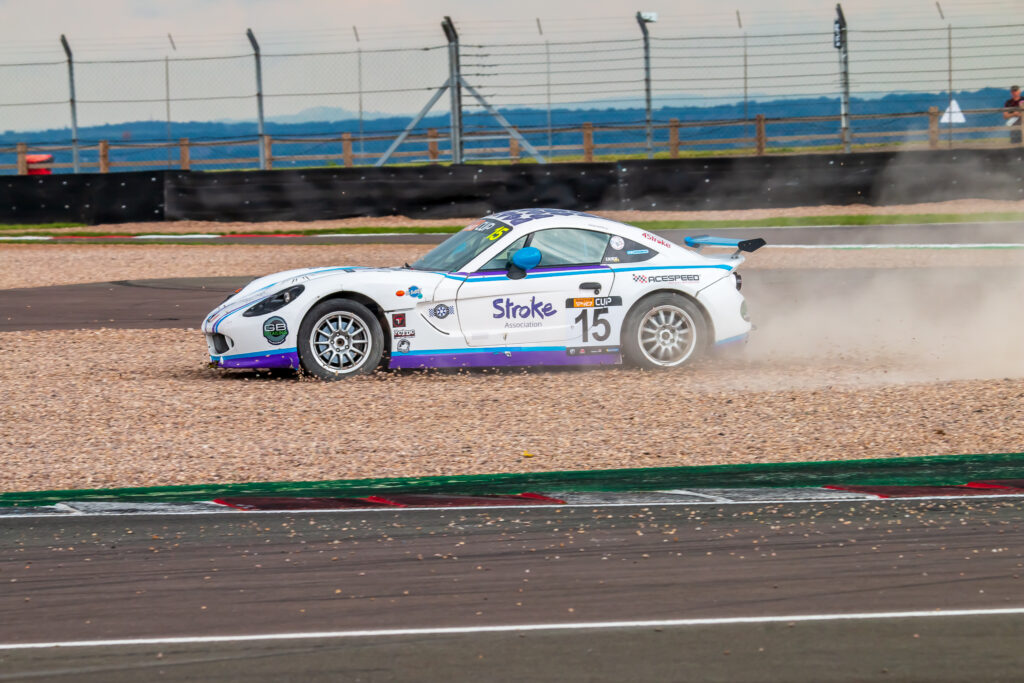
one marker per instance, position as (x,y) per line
(912,324)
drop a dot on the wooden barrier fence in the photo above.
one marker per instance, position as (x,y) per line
(752,138)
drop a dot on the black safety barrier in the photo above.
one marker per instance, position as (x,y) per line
(90,198)
(457,191)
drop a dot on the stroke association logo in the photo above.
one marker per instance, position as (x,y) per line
(509,309)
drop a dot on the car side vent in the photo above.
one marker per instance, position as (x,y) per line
(220,343)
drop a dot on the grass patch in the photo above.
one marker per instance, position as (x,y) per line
(372,230)
(796,221)
(5,227)
(855,220)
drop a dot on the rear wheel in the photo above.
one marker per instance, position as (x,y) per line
(339,338)
(664,331)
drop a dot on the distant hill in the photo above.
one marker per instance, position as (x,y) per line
(315,114)
(322,121)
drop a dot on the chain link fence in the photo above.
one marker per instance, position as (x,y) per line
(556,99)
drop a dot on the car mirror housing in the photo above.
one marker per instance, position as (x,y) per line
(526,258)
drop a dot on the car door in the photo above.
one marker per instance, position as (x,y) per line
(535,310)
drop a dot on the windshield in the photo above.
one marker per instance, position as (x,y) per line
(463,246)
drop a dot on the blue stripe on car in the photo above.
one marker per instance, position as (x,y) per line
(275,352)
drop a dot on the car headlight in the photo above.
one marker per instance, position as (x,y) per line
(272,303)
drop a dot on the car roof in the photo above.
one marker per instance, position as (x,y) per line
(538,218)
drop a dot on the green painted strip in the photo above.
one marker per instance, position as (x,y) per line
(937,470)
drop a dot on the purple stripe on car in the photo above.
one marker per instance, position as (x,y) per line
(271,360)
(492,359)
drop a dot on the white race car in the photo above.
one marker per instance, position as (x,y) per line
(517,288)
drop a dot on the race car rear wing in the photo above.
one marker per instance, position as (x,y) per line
(698,242)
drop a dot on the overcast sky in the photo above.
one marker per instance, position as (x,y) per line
(504,53)
(122,28)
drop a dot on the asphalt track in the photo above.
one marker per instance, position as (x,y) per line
(358,574)
(184,302)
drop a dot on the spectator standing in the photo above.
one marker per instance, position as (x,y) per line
(1014,114)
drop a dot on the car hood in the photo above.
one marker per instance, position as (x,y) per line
(370,281)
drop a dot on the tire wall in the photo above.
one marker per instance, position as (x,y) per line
(460,191)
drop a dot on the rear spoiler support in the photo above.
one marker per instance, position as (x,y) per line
(698,242)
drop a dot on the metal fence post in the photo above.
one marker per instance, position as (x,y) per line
(839,41)
(259,97)
(359,85)
(949,57)
(454,88)
(74,106)
(547,61)
(643,18)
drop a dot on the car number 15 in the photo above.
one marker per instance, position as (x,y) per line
(594,324)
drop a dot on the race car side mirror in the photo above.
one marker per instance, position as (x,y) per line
(523,260)
(526,258)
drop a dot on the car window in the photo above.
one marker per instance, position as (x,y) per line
(569,246)
(500,262)
(463,246)
(622,250)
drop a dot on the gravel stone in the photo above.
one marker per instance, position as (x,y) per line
(107,408)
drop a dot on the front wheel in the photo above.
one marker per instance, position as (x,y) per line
(664,331)
(339,338)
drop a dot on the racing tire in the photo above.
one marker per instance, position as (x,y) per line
(664,331)
(340,338)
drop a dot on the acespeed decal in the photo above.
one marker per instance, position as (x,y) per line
(655,279)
